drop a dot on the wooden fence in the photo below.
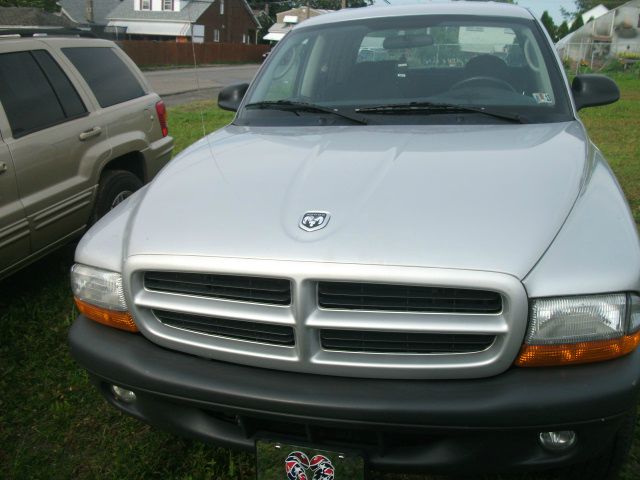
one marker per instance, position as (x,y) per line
(152,54)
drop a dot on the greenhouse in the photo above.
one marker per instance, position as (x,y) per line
(612,36)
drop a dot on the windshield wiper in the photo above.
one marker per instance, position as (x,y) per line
(295,107)
(429,107)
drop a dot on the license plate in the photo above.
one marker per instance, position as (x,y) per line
(281,461)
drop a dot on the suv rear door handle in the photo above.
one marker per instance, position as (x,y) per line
(3,168)
(94,132)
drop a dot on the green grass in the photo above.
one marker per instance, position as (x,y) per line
(615,130)
(188,123)
(53,424)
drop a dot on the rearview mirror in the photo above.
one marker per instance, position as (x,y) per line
(407,41)
(230,97)
(594,90)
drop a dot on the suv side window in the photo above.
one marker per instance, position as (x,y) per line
(35,92)
(108,76)
(69,98)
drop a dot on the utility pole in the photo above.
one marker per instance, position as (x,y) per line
(344,4)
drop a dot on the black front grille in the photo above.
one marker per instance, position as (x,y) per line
(402,342)
(238,329)
(406,298)
(274,291)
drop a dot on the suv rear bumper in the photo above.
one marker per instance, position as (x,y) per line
(157,156)
(486,424)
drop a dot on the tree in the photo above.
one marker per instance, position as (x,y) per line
(563,30)
(48,5)
(547,21)
(577,23)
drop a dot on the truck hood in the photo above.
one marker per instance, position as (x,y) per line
(480,197)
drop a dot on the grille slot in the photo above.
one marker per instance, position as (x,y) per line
(406,298)
(273,291)
(403,342)
(238,329)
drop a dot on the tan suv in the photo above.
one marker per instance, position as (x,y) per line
(80,131)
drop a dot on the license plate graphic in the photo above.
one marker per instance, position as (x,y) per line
(280,461)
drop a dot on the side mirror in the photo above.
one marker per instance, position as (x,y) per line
(594,90)
(230,97)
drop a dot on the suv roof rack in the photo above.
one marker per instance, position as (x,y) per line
(45,32)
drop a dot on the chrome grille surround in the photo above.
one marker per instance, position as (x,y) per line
(307,318)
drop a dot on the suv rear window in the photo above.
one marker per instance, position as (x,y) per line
(108,76)
(35,92)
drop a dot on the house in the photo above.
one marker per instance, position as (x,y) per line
(288,19)
(227,21)
(23,17)
(616,34)
(89,13)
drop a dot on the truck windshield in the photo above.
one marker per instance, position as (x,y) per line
(376,68)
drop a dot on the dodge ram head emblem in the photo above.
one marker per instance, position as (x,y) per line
(312,221)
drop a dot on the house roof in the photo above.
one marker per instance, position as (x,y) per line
(277,31)
(188,13)
(31,17)
(171,29)
(76,10)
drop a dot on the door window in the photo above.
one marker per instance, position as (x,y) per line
(35,92)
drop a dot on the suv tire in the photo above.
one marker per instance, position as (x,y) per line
(114,186)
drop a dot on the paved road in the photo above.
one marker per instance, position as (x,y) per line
(185,85)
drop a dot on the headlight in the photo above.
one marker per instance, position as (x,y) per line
(99,296)
(584,329)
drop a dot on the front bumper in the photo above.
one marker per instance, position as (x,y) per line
(488,424)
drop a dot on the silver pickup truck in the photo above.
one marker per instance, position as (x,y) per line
(404,253)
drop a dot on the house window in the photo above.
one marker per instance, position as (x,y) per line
(167,5)
(216,35)
(221,7)
(145,4)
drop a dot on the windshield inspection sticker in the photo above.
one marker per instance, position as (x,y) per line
(542,98)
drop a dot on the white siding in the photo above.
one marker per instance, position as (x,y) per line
(156,5)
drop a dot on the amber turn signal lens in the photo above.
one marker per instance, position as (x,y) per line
(575,353)
(111,318)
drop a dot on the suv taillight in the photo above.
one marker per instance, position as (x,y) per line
(162,117)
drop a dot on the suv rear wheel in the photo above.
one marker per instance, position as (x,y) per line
(114,187)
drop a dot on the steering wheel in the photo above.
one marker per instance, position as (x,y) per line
(529,54)
(486,80)
(287,61)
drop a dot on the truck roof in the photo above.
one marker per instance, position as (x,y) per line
(480,8)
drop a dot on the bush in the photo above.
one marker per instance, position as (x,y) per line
(629,56)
